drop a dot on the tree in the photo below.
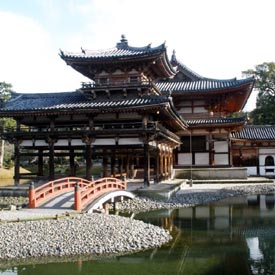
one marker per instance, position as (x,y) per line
(5,93)
(265,84)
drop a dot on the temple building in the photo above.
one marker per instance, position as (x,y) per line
(141,115)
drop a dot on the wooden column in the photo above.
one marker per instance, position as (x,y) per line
(16,162)
(157,166)
(169,164)
(211,151)
(113,165)
(40,162)
(230,157)
(165,165)
(127,166)
(51,143)
(120,161)
(161,163)
(72,163)
(88,161)
(146,159)
(105,164)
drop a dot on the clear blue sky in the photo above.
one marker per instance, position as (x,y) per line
(215,38)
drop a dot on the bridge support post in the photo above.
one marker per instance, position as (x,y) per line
(77,197)
(31,196)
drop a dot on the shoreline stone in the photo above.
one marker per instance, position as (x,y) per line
(192,198)
(88,234)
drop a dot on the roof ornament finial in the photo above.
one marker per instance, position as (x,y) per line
(123,38)
(83,51)
(61,52)
(174,55)
(123,42)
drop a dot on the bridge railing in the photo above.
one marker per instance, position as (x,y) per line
(96,188)
(40,194)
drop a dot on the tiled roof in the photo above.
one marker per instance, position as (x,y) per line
(74,100)
(122,49)
(256,132)
(184,69)
(215,121)
(205,84)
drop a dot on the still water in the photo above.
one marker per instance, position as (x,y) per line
(233,236)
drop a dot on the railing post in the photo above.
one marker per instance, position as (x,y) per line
(123,183)
(77,197)
(31,196)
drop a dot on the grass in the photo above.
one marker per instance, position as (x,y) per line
(6,175)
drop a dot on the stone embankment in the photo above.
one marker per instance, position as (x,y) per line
(78,235)
(191,196)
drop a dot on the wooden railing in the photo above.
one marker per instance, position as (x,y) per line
(95,189)
(84,191)
(40,194)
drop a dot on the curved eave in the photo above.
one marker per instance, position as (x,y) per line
(185,70)
(209,124)
(156,59)
(206,85)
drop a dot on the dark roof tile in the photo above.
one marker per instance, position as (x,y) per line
(74,100)
(256,132)
(205,84)
(215,121)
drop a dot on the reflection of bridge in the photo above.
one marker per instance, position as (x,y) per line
(87,194)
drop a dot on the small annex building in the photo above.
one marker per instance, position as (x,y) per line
(142,114)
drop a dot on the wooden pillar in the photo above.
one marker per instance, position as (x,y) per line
(230,157)
(113,165)
(169,164)
(211,151)
(51,158)
(72,163)
(127,166)
(120,161)
(16,162)
(40,162)
(165,165)
(88,161)
(157,166)
(105,164)
(146,159)
(161,164)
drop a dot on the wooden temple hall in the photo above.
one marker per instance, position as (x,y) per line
(141,115)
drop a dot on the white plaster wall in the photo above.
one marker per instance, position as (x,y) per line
(41,143)
(128,141)
(26,143)
(200,110)
(263,157)
(221,159)
(104,141)
(201,159)
(251,171)
(264,173)
(61,142)
(184,158)
(77,142)
(267,151)
(221,146)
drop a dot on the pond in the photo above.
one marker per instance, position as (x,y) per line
(233,236)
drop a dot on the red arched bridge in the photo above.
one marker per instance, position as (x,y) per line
(87,194)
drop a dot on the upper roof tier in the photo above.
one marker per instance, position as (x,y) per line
(152,60)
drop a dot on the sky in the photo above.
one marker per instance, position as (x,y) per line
(215,38)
